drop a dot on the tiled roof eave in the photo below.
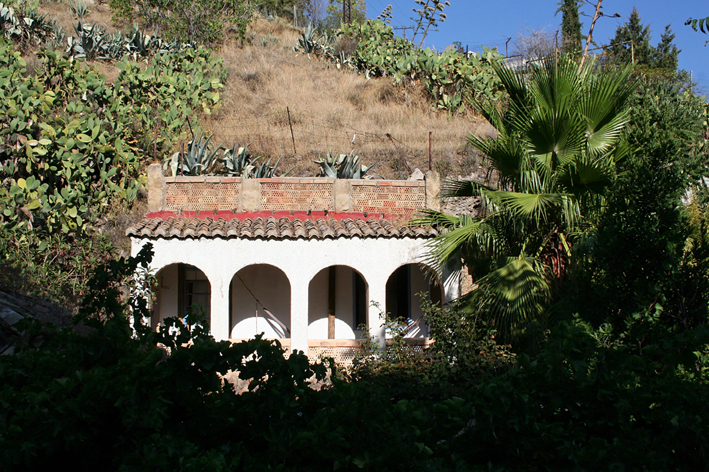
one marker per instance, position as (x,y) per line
(272,229)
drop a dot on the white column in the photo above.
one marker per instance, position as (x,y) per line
(219,308)
(299,314)
(377,310)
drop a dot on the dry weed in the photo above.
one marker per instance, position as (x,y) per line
(272,90)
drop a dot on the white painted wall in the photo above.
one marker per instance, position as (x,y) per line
(300,261)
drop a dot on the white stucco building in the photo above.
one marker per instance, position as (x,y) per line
(306,261)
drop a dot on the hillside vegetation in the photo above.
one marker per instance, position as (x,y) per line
(331,110)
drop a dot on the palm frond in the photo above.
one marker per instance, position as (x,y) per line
(602,106)
(435,218)
(514,296)
(527,205)
(462,188)
(505,155)
(474,236)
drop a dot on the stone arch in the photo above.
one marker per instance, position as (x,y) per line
(180,288)
(260,302)
(342,291)
(403,289)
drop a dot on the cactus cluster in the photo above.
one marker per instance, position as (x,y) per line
(26,27)
(71,143)
(452,78)
(92,42)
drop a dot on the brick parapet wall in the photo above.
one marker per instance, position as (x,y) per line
(391,197)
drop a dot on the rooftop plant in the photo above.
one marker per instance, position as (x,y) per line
(343,166)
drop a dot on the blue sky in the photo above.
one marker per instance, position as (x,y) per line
(490,23)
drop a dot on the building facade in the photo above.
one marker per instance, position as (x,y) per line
(312,262)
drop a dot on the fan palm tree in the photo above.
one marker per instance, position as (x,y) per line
(555,151)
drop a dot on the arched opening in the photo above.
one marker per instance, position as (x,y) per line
(403,297)
(182,288)
(260,303)
(337,304)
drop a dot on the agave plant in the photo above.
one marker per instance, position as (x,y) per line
(25,26)
(38,27)
(198,160)
(114,47)
(138,43)
(313,42)
(265,170)
(9,22)
(342,166)
(163,46)
(238,162)
(79,9)
(89,42)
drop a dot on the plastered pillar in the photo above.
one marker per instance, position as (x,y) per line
(342,195)
(219,308)
(433,190)
(156,188)
(299,314)
(377,311)
(250,195)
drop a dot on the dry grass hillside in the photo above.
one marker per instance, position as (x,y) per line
(330,110)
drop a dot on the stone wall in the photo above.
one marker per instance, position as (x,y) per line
(213,193)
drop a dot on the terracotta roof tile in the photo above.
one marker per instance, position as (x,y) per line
(258,227)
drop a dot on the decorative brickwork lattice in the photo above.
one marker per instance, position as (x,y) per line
(202,196)
(390,197)
(396,198)
(296,196)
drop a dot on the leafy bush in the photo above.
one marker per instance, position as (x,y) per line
(62,158)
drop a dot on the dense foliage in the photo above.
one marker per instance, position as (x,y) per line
(648,255)
(113,399)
